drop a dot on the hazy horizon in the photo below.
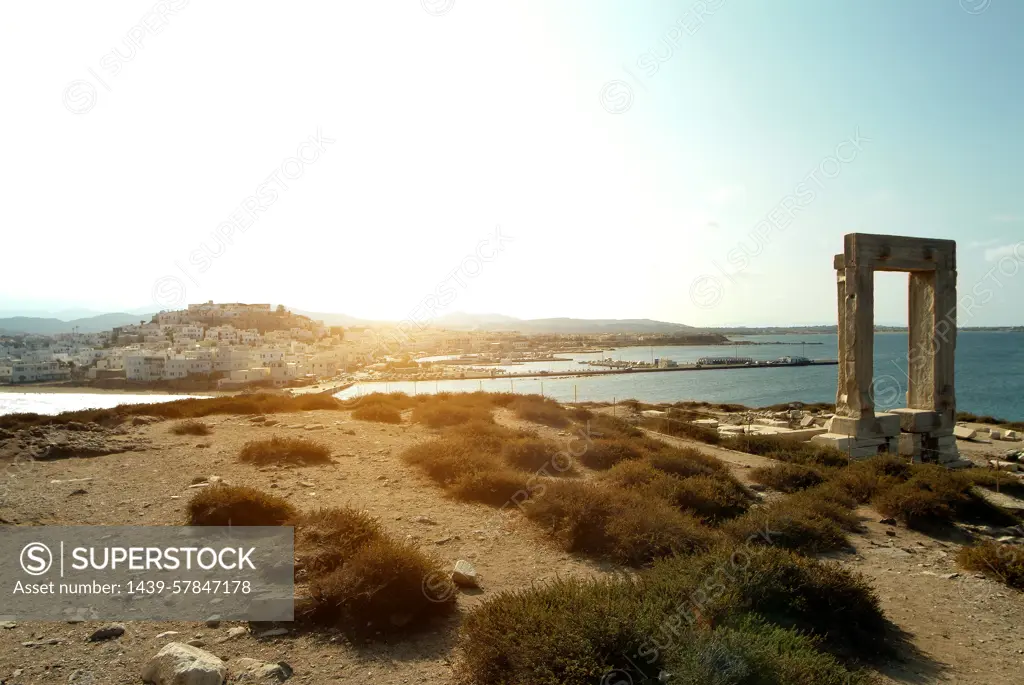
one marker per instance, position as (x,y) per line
(695,163)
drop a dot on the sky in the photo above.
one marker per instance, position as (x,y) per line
(696,161)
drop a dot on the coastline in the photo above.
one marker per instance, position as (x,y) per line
(36,388)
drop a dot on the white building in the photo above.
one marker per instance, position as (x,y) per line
(32,372)
(144,367)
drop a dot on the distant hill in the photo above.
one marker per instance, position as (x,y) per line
(497,322)
(89,324)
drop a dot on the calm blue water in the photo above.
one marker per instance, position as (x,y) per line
(989,375)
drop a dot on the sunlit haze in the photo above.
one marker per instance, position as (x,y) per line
(589,159)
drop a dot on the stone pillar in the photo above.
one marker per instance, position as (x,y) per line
(922,339)
(856,287)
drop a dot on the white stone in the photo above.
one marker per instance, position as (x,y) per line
(465,575)
(246,669)
(965,433)
(179,664)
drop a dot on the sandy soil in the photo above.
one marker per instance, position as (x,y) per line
(959,629)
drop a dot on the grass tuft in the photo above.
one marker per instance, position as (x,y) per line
(291,451)
(191,427)
(236,505)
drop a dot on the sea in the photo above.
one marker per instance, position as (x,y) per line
(989,377)
(989,374)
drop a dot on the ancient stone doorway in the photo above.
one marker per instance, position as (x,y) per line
(924,428)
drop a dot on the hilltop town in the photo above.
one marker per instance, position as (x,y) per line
(231,346)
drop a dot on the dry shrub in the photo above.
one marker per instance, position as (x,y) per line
(383,587)
(191,427)
(786,477)
(379,413)
(497,487)
(788,524)
(787,449)
(291,451)
(614,523)
(325,538)
(397,401)
(246,403)
(236,505)
(1004,563)
(605,453)
(450,413)
(450,457)
(932,495)
(533,455)
(822,599)
(361,580)
(686,461)
(710,498)
(683,429)
(541,410)
(607,426)
(770,611)
(995,479)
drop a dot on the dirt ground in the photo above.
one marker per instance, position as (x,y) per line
(958,628)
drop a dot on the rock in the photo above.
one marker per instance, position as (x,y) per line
(214,480)
(951,576)
(110,632)
(891,533)
(41,643)
(7,625)
(178,664)
(195,642)
(465,575)
(315,427)
(246,669)
(964,433)
(273,632)
(213,621)
(166,633)
(237,631)
(424,519)
(888,522)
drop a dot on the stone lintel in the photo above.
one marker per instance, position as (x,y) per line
(918,420)
(883,425)
(898,253)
